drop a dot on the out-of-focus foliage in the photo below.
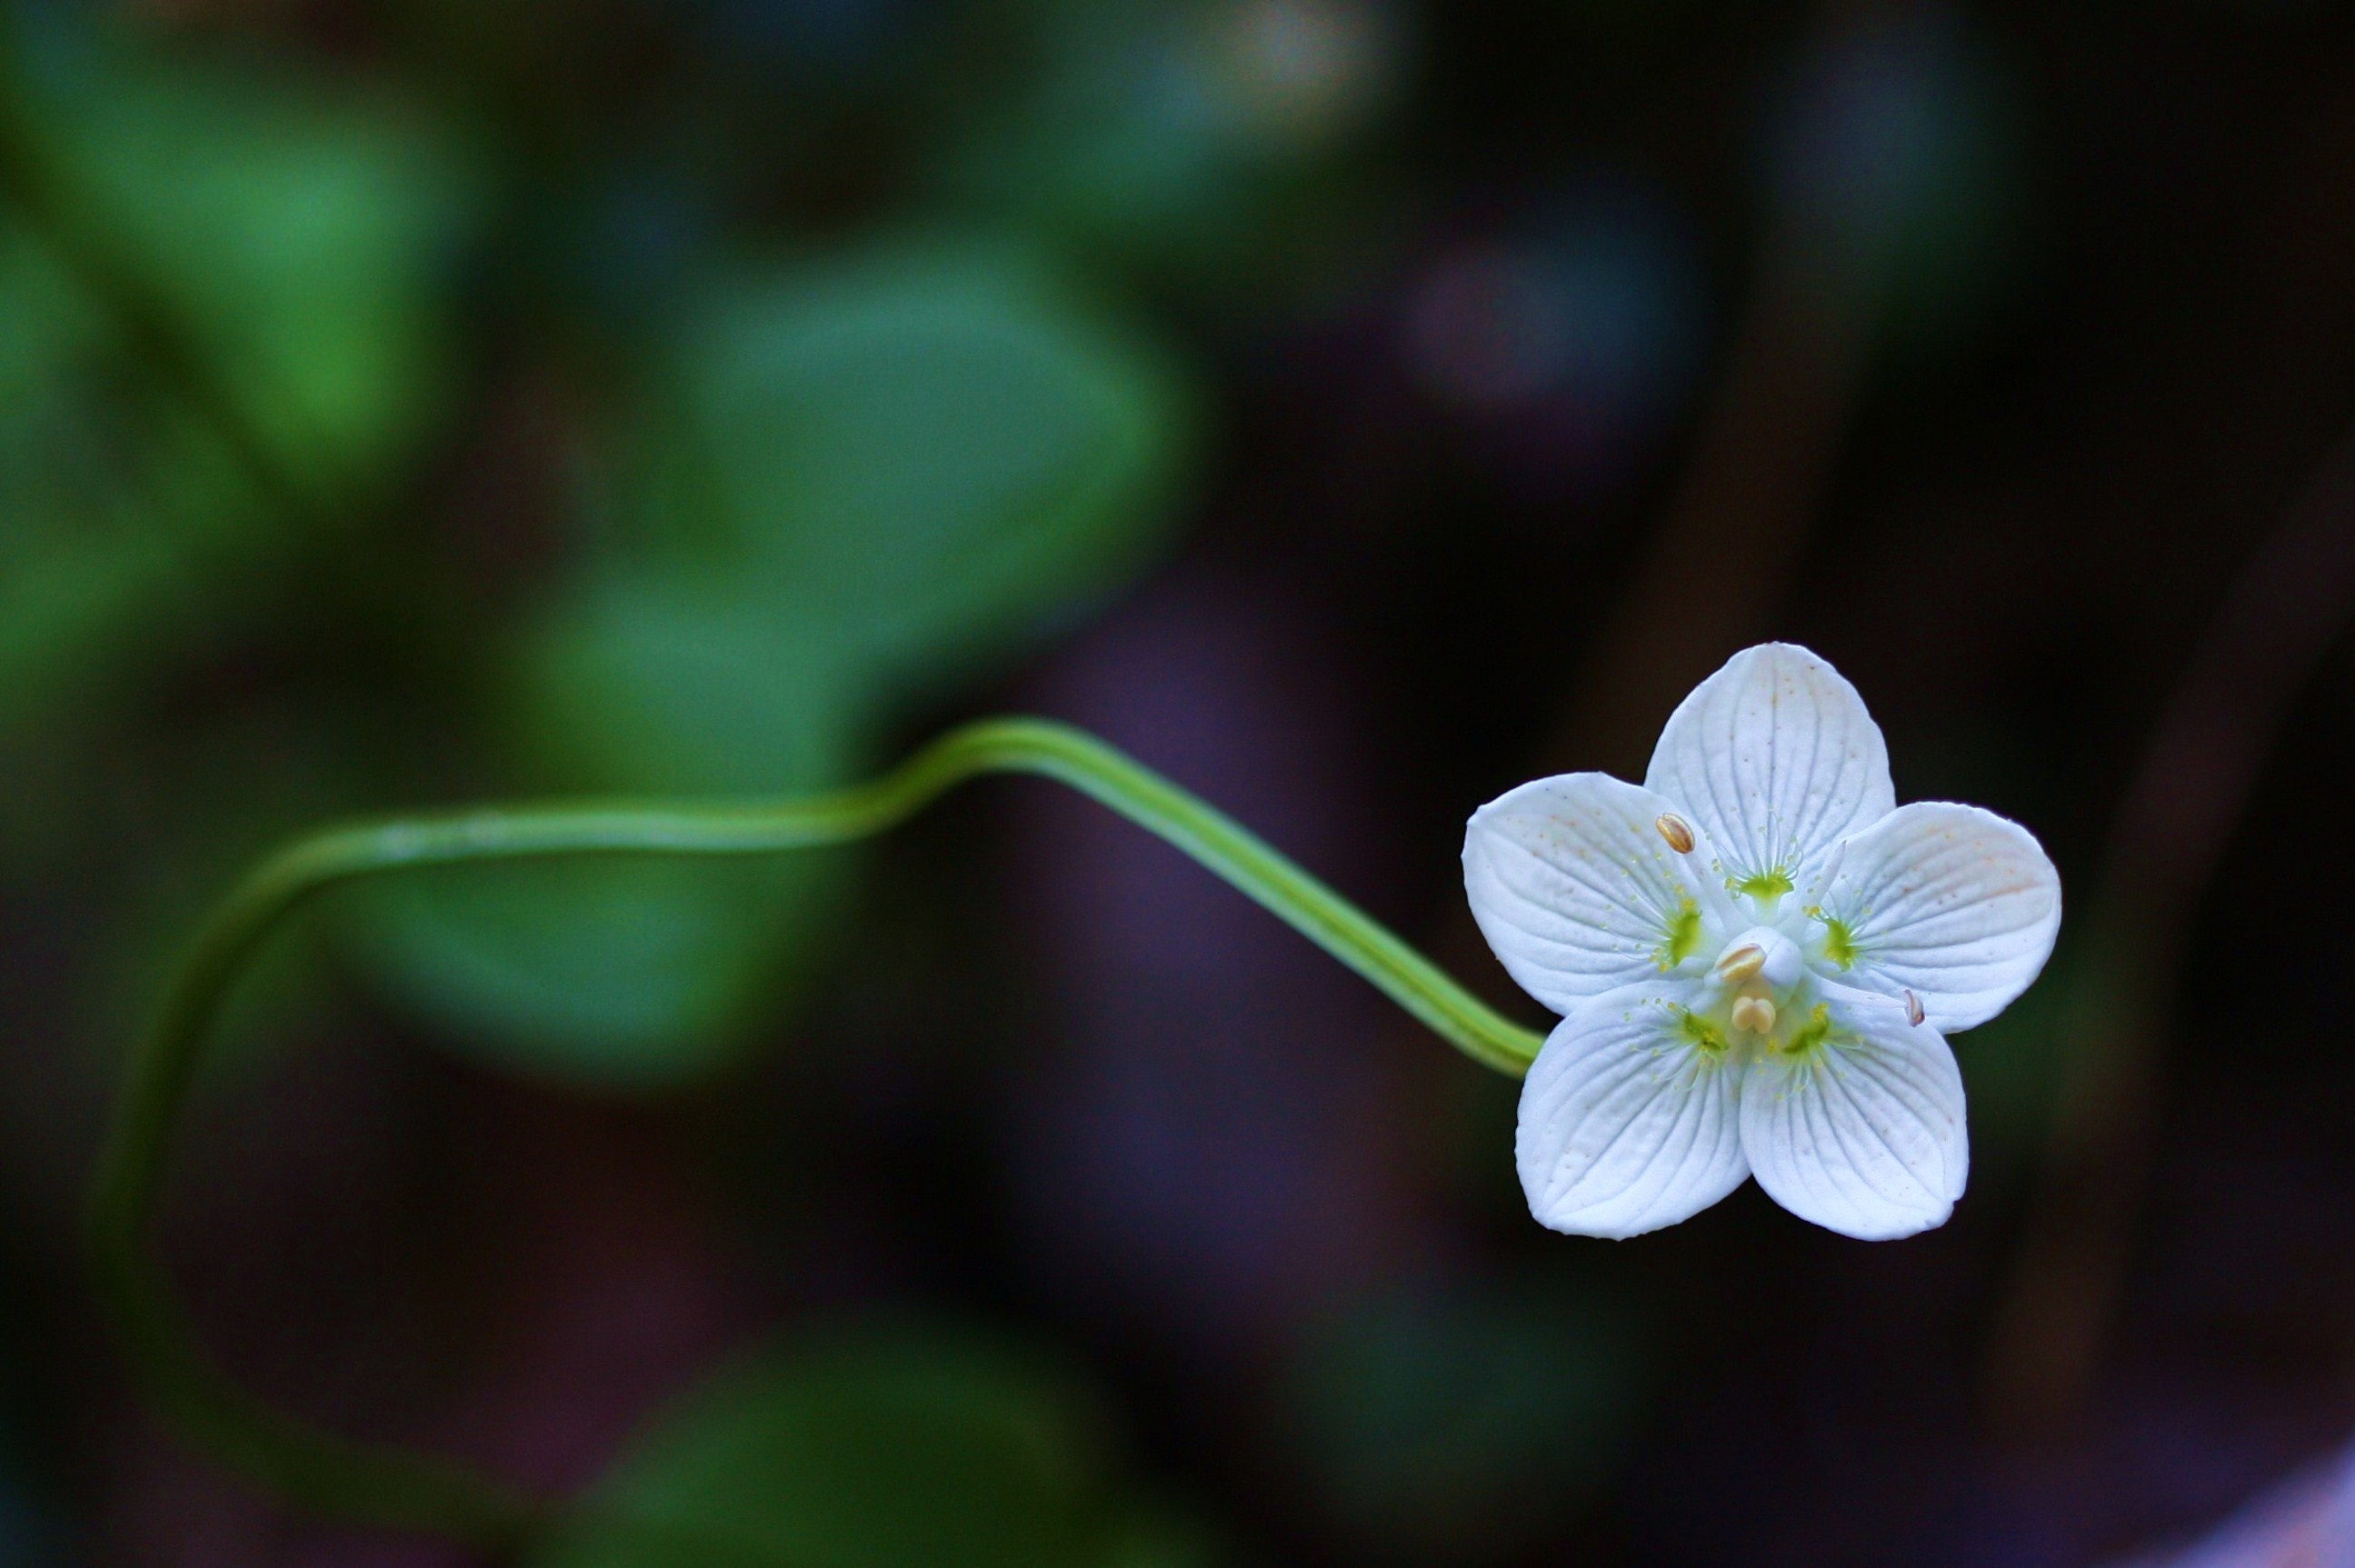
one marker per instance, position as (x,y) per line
(626,972)
(864,481)
(878,1449)
(224,325)
(828,484)
(1191,140)
(1462,1422)
(927,454)
(300,238)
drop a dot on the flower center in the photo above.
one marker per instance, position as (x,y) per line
(1758,970)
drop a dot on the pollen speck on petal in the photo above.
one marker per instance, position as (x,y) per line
(1954,904)
(1572,887)
(1774,760)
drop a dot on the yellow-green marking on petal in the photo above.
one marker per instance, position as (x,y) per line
(1839,944)
(1811,1034)
(1683,936)
(1699,1031)
(1764,885)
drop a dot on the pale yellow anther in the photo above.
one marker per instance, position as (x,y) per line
(1741,964)
(1676,830)
(1914,1013)
(1755,1013)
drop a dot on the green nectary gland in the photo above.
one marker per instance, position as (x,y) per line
(1839,944)
(1764,885)
(1683,936)
(1699,1031)
(1811,1034)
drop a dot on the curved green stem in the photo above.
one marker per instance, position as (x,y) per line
(399,1488)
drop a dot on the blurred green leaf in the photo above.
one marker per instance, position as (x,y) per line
(1461,1423)
(187,253)
(625,974)
(931,453)
(866,479)
(303,237)
(89,577)
(1194,139)
(76,613)
(907,1449)
(631,973)
(53,322)
(676,681)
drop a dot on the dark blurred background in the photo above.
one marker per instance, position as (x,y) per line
(1354,407)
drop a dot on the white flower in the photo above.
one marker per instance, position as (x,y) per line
(1757,957)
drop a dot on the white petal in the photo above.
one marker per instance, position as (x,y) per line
(1952,903)
(1776,758)
(1862,1132)
(1577,891)
(1628,1121)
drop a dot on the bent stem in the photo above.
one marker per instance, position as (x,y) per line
(398,1488)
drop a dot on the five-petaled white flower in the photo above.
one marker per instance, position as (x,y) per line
(1756,954)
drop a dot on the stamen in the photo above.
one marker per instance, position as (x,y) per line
(1914,1013)
(1676,830)
(1741,964)
(1755,1013)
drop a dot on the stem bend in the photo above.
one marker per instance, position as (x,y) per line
(397,1489)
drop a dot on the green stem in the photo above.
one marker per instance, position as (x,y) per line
(397,1489)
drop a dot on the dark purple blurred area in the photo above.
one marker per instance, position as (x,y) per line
(1979,347)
